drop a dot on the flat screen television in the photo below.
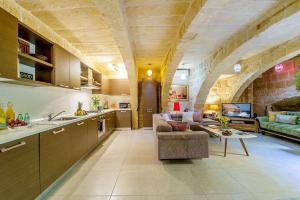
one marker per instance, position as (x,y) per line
(236,110)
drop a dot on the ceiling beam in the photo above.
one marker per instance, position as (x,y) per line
(114,16)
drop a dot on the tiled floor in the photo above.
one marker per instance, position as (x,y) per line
(126,167)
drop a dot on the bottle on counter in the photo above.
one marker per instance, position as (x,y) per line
(3,124)
(10,113)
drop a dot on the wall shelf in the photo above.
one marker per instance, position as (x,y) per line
(32,61)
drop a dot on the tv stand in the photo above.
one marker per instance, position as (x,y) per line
(244,124)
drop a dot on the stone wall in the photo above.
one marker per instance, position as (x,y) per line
(272,86)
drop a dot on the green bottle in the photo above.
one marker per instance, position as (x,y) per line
(3,124)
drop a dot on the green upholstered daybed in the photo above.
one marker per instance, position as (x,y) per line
(291,131)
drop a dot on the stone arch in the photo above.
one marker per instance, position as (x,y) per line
(248,40)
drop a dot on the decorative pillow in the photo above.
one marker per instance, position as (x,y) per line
(166,116)
(286,119)
(163,126)
(187,117)
(197,117)
(178,126)
(272,115)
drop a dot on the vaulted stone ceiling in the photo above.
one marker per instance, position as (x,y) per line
(80,23)
(210,34)
(154,25)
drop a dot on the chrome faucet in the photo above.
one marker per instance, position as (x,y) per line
(51,117)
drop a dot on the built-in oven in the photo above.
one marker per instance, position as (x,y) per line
(101,126)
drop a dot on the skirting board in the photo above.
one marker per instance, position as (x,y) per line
(280,135)
(123,129)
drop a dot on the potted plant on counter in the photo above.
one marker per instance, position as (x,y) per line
(224,122)
(96,103)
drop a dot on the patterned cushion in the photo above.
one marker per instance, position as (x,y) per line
(198,115)
(178,126)
(286,119)
(294,113)
(272,115)
(163,126)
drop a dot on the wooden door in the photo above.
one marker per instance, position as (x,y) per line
(149,101)
(19,169)
(92,132)
(62,67)
(123,119)
(74,72)
(55,155)
(79,140)
(8,45)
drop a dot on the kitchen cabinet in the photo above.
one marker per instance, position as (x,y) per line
(123,118)
(105,85)
(19,169)
(119,87)
(55,154)
(75,71)
(92,132)
(110,122)
(8,45)
(67,69)
(79,140)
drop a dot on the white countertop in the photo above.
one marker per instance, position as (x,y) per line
(9,135)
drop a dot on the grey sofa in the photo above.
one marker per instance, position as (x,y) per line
(179,144)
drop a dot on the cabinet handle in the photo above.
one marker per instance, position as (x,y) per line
(65,86)
(123,110)
(76,88)
(79,124)
(12,147)
(93,119)
(56,132)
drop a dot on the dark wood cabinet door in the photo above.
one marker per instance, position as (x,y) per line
(74,72)
(123,118)
(92,132)
(79,140)
(55,154)
(8,45)
(19,169)
(62,67)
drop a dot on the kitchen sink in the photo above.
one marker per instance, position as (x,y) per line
(64,118)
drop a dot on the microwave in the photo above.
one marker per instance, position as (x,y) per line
(124,105)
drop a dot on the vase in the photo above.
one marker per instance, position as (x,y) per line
(224,126)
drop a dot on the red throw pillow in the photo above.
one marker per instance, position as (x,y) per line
(197,117)
(178,126)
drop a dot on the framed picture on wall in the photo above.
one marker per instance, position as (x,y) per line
(179,93)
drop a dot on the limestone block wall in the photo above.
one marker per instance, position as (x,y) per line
(273,86)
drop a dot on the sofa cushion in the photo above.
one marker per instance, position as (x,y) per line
(176,116)
(183,135)
(272,115)
(295,114)
(286,119)
(187,116)
(163,126)
(166,116)
(197,116)
(178,126)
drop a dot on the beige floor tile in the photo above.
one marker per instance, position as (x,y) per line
(126,166)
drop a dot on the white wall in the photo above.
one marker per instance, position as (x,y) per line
(40,101)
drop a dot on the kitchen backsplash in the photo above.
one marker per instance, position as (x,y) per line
(40,101)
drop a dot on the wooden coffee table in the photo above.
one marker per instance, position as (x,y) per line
(236,134)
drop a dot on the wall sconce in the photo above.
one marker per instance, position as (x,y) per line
(149,72)
(237,68)
(279,68)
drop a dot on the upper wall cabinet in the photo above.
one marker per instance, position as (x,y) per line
(35,57)
(119,87)
(67,69)
(8,45)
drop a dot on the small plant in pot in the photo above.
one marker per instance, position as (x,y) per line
(96,103)
(224,122)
